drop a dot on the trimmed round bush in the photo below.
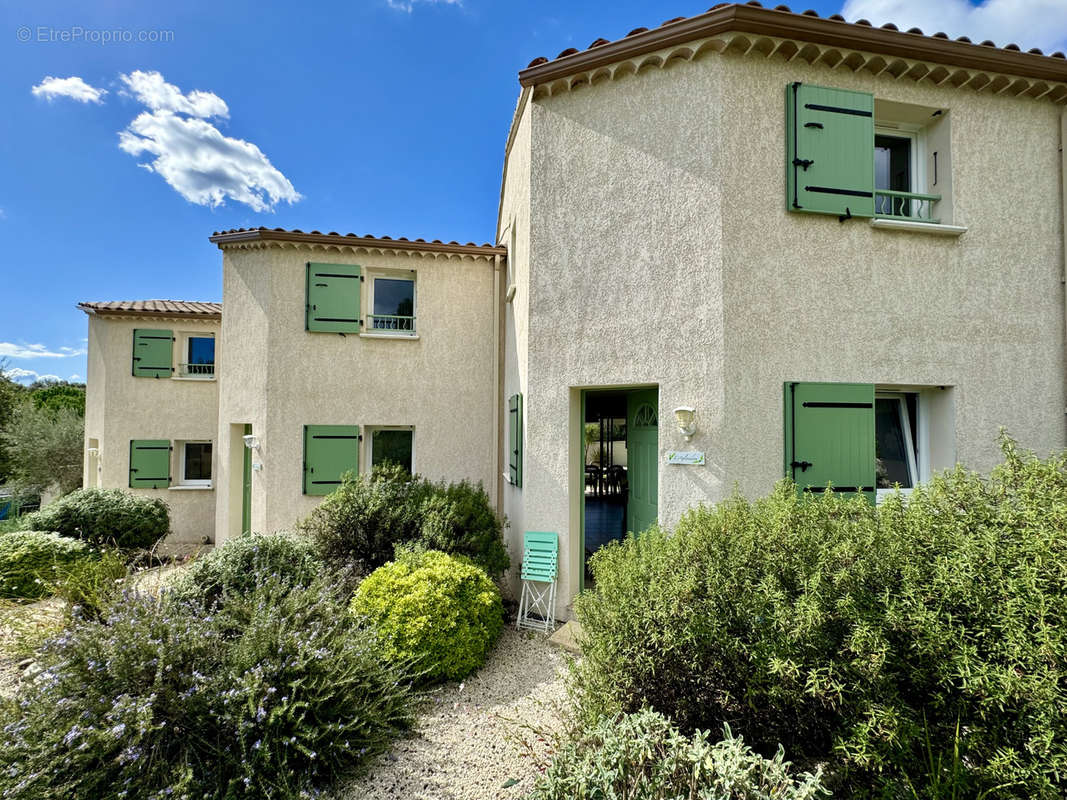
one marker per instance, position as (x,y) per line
(642,756)
(439,615)
(358,527)
(105,517)
(30,562)
(919,644)
(238,565)
(271,696)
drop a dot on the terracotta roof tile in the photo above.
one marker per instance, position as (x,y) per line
(178,308)
(236,235)
(1015,61)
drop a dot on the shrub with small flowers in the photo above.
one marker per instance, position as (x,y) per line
(439,613)
(268,694)
(30,562)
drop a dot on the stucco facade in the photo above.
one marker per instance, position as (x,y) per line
(121,408)
(441,383)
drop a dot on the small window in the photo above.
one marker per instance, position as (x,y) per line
(196,464)
(393,446)
(393,306)
(200,357)
(895,434)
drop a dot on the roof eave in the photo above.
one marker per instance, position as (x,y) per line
(299,237)
(787,25)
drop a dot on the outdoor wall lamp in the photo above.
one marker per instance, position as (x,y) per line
(686,419)
(251,442)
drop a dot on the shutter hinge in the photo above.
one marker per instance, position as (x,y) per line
(361,279)
(846,215)
(802,464)
(803,162)
(360,437)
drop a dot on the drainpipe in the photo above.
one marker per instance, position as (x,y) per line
(499,289)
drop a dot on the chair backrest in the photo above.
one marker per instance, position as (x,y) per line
(540,553)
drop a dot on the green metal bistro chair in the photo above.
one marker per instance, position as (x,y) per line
(540,562)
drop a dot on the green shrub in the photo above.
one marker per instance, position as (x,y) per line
(89,586)
(105,517)
(30,561)
(459,519)
(437,613)
(358,526)
(239,564)
(270,696)
(851,635)
(642,756)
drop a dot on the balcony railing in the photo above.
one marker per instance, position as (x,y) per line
(391,323)
(204,372)
(911,206)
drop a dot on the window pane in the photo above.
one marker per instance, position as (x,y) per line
(394,296)
(197,461)
(392,447)
(891,455)
(201,349)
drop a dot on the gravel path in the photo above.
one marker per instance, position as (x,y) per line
(469,739)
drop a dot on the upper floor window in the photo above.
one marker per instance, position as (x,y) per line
(199,357)
(392,306)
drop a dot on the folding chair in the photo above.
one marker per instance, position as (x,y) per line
(537,606)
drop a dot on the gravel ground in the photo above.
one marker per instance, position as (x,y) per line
(474,737)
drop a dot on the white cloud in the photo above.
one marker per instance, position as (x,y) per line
(192,155)
(76,378)
(409,5)
(1027,23)
(73,87)
(10,350)
(29,376)
(156,94)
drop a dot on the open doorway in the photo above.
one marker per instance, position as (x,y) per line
(620,451)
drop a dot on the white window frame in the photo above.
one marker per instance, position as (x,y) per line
(197,483)
(915,458)
(395,275)
(183,338)
(368,443)
(917,150)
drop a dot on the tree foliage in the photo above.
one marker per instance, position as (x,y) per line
(44,447)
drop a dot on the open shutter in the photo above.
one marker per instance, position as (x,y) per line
(149,464)
(829,436)
(152,353)
(329,452)
(829,150)
(333,298)
(515,440)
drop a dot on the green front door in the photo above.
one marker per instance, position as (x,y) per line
(246,488)
(642,457)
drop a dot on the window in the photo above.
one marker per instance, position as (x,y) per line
(393,306)
(329,452)
(195,467)
(331,297)
(199,357)
(515,440)
(152,353)
(854,156)
(393,446)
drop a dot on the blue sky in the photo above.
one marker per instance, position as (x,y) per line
(386,117)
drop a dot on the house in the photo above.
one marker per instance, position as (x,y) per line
(739,246)
(151,406)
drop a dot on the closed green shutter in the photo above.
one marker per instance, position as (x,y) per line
(152,353)
(515,440)
(829,436)
(829,150)
(333,298)
(329,452)
(149,464)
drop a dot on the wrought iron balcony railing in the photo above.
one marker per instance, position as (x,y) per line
(391,323)
(911,206)
(203,371)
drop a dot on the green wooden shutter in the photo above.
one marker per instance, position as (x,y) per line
(829,150)
(152,353)
(515,440)
(149,464)
(329,452)
(829,436)
(332,296)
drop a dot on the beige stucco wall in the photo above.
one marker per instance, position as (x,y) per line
(661,252)
(280,377)
(120,407)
